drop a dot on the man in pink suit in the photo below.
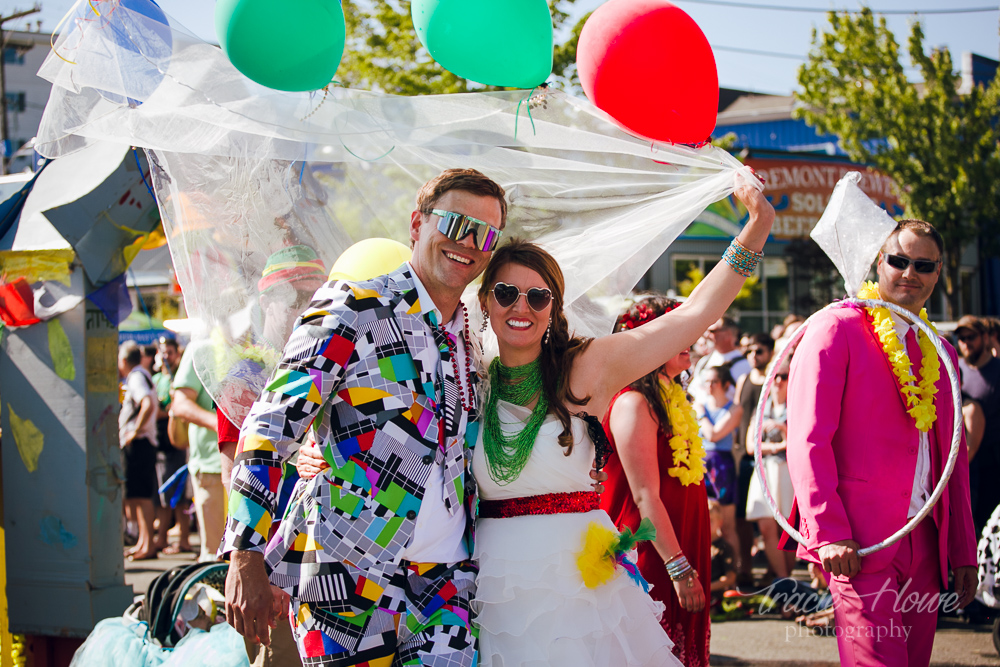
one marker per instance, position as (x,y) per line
(861,468)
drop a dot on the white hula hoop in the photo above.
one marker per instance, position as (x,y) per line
(956,440)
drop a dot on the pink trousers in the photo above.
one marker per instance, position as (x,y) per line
(889,617)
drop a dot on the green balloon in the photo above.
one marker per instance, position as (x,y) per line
(495,42)
(293,46)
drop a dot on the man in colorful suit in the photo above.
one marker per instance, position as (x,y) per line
(375,553)
(861,467)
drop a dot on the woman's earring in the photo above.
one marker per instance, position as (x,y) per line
(486,322)
(548,330)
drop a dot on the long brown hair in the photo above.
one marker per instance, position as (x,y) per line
(640,312)
(561,349)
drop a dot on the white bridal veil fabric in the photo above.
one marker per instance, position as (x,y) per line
(241,171)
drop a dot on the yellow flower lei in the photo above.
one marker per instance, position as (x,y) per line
(685,444)
(919,397)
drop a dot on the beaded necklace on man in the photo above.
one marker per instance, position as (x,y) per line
(506,455)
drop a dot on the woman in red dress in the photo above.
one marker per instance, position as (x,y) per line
(658,473)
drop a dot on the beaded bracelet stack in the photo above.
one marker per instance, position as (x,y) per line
(678,568)
(741,259)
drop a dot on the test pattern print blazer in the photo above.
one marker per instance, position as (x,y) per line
(360,367)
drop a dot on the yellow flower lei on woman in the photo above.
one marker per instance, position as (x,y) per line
(919,397)
(685,444)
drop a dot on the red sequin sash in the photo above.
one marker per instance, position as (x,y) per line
(549,503)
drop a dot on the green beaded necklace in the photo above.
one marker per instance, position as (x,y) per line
(506,455)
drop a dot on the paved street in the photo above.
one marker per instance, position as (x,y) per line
(756,641)
(763,641)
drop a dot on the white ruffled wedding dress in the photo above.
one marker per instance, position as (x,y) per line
(531,603)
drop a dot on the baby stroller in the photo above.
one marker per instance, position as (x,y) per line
(180,622)
(989,564)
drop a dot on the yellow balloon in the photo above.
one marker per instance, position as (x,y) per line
(369,258)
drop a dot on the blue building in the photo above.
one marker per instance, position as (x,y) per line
(803,166)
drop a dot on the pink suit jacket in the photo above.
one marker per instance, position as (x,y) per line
(852,448)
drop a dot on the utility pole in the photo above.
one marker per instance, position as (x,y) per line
(4,131)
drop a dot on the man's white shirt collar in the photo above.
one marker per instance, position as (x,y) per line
(427,304)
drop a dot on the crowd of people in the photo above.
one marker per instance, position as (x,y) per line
(443,511)
(154,457)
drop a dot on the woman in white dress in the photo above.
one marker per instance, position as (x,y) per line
(535,454)
(779,481)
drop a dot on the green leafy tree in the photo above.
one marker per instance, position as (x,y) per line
(383,52)
(942,145)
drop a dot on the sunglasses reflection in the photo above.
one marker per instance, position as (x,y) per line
(457,226)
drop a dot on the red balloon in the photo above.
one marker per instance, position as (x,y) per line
(648,65)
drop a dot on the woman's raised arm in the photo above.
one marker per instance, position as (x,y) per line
(611,362)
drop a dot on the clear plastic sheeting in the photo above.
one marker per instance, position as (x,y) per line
(242,171)
(852,230)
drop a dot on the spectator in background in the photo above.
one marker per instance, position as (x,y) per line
(169,459)
(723,556)
(745,341)
(724,336)
(137,438)
(748,391)
(790,325)
(779,482)
(149,358)
(980,372)
(975,424)
(701,349)
(193,404)
(288,282)
(719,418)
(993,330)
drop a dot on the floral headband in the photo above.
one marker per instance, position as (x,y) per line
(642,314)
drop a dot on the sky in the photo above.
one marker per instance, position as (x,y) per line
(760,28)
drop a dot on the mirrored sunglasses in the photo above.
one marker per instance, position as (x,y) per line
(457,226)
(507,295)
(900,263)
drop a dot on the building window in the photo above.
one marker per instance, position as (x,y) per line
(16,102)
(967,280)
(764,300)
(13,56)
(690,269)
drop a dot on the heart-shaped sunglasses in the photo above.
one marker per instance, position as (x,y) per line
(538,298)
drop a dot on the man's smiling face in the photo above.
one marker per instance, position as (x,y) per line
(440,262)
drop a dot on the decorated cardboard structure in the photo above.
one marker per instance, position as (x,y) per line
(62,261)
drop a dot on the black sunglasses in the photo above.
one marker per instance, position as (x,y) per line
(900,263)
(507,295)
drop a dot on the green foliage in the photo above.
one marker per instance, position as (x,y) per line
(727,142)
(383,52)
(745,300)
(564,56)
(941,146)
(694,276)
